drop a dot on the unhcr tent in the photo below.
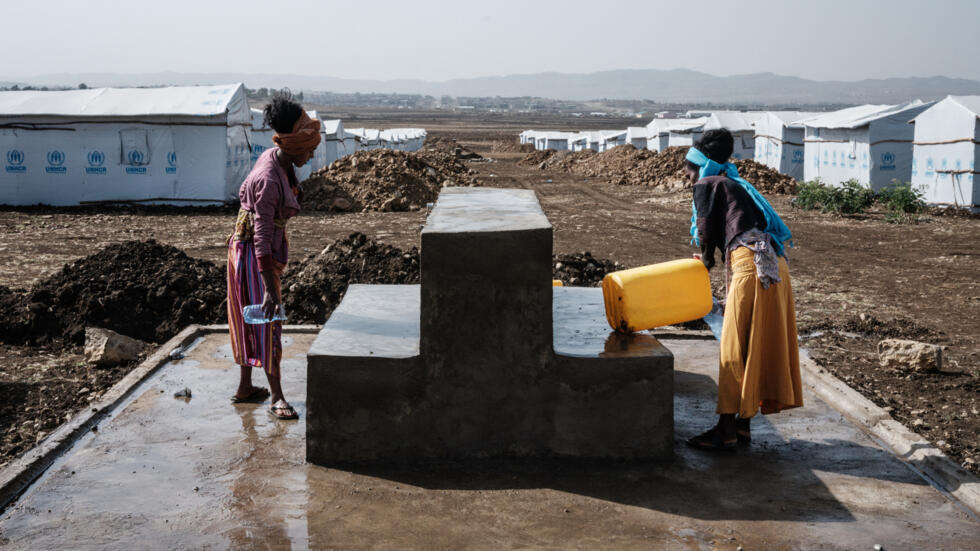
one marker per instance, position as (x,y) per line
(579,141)
(611,139)
(779,141)
(593,141)
(658,134)
(333,140)
(741,127)
(637,136)
(946,151)
(178,145)
(868,143)
(685,132)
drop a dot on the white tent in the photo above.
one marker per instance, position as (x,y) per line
(178,145)
(637,136)
(658,134)
(946,151)
(741,127)
(594,141)
(579,141)
(333,140)
(262,140)
(685,132)
(552,140)
(779,141)
(611,139)
(868,143)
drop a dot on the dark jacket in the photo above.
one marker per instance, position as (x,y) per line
(725,210)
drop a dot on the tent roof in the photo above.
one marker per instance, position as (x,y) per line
(173,101)
(736,122)
(856,117)
(970,103)
(685,126)
(793,118)
(636,132)
(612,133)
(663,124)
(331,126)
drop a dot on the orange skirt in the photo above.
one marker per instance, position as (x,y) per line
(760,362)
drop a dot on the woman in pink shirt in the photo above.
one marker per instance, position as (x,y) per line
(258,250)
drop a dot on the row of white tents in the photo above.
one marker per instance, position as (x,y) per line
(934,145)
(177,145)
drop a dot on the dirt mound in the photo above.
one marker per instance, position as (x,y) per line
(454,148)
(141,289)
(536,157)
(512,147)
(626,165)
(315,286)
(582,269)
(384,180)
(764,178)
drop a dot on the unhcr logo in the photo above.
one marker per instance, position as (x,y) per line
(798,156)
(172,162)
(95,161)
(56,160)
(135,157)
(887,161)
(15,161)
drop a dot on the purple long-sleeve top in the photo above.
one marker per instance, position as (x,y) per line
(266,193)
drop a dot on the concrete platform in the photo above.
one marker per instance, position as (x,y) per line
(475,362)
(372,398)
(164,473)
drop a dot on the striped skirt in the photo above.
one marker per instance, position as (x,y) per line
(258,345)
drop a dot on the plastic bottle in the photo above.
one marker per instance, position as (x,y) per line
(253,314)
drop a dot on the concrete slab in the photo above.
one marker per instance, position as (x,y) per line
(164,473)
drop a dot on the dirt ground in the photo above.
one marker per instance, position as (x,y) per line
(856,279)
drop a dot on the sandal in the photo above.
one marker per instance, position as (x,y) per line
(742,430)
(282,406)
(711,441)
(256,396)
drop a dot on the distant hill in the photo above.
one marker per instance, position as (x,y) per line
(677,85)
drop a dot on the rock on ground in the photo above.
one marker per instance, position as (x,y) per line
(104,347)
(910,355)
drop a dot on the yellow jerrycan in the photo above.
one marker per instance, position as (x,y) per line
(657,295)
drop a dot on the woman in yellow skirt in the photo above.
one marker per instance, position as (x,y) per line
(759,367)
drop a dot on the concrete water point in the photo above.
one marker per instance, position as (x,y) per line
(485,358)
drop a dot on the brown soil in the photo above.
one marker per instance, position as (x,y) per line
(383,180)
(141,289)
(892,273)
(626,165)
(315,286)
(512,147)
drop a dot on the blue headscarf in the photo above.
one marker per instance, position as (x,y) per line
(774,224)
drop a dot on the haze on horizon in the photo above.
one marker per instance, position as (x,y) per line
(434,40)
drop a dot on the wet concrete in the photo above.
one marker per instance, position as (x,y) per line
(165,473)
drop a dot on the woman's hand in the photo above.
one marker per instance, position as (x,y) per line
(270,305)
(271,299)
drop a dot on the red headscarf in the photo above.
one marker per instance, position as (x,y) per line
(304,138)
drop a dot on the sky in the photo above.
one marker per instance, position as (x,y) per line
(441,40)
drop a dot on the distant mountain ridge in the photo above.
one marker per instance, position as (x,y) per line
(667,86)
